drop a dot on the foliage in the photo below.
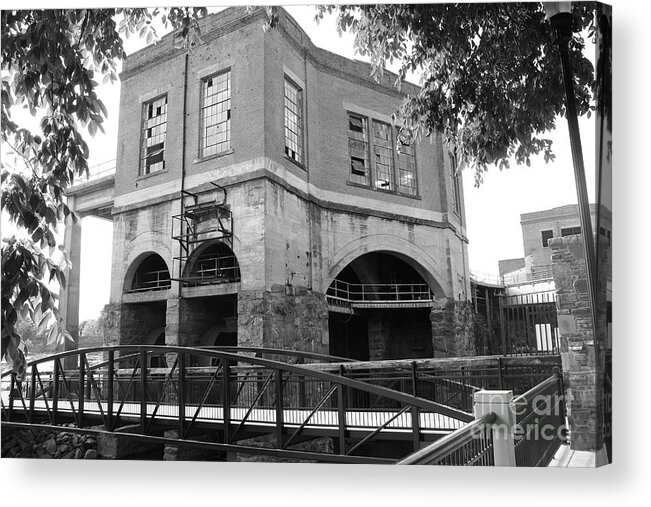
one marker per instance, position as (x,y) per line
(50,62)
(491,76)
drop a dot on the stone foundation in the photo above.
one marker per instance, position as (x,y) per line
(285,318)
(186,453)
(322,444)
(34,443)
(452,329)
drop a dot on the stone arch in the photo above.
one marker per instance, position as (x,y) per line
(426,266)
(214,258)
(148,261)
(140,247)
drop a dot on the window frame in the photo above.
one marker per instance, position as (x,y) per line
(570,231)
(368,177)
(300,123)
(202,155)
(143,168)
(374,147)
(412,147)
(369,122)
(545,240)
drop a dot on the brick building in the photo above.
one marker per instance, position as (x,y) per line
(262,198)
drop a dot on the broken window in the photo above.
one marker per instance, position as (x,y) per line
(408,184)
(383,155)
(293,121)
(358,149)
(215,135)
(154,132)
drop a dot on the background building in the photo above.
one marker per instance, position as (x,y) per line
(262,198)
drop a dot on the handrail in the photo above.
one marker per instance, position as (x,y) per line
(433,453)
(277,365)
(534,391)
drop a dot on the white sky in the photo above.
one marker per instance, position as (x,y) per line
(492,210)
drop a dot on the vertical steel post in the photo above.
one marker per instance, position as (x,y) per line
(81,390)
(341,413)
(143,390)
(109,400)
(226,395)
(181,394)
(414,379)
(279,409)
(12,387)
(415,426)
(55,391)
(562,24)
(32,394)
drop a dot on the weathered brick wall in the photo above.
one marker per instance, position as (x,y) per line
(582,351)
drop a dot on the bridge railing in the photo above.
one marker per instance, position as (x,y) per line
(449,382)
(471,445)
(524,432)
(240,395)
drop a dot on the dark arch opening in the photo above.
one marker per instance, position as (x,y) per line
(151,274)
(379,309)
(216,263)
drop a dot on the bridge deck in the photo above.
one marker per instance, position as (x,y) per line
(325,419)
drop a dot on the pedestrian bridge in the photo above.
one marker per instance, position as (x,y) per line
(239,394)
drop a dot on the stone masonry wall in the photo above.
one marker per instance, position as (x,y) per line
(582,356)
(34,443)
(452,329)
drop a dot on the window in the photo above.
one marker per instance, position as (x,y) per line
(215,135)
(406,168)
(358,149)
(456,190)
(293,121)
(383,156)
(154,132)
(570,231)
(546,236)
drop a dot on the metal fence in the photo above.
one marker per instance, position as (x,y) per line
(471,445)
(540,423)
(538,430)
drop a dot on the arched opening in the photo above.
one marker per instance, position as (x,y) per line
(379,309)
(151,274)
(211,264)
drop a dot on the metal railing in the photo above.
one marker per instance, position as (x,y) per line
(540,419)
(97,171)
(527,432)
(151,281)
(239,395)
(378,292)
(471,445)
(214,269)
(537,274)
(452,383)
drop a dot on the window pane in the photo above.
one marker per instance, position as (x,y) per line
(406,168)
(153,135)
(293,122)
(383,151)
(358,149)
(216,114)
